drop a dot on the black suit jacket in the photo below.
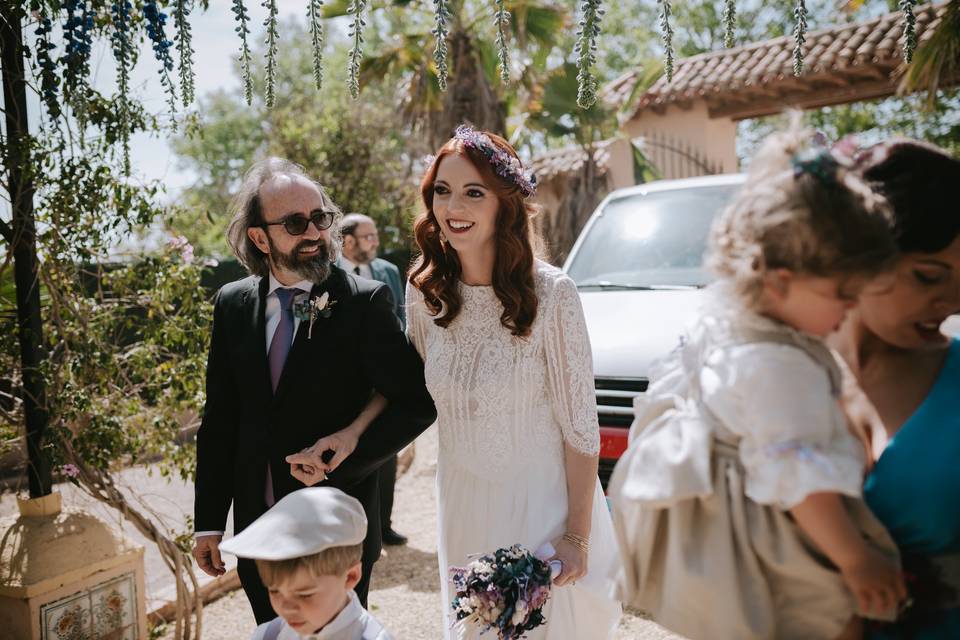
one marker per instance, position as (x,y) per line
(326,382)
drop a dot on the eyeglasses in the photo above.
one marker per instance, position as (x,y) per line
(296,224)
(369,237)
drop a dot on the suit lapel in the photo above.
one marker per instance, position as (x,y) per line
(376,273)
(256,309)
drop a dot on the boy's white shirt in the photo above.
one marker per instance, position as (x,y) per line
(352,623)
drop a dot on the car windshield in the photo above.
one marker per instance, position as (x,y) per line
(650,241)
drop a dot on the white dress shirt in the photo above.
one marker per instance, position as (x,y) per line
(348,265)
(272,315)
(352,623)
(272,321)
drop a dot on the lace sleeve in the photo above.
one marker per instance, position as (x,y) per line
(416,312)
(570,368)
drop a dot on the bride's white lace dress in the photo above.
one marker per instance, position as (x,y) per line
(505,408)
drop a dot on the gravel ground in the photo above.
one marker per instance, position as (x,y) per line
(404,593)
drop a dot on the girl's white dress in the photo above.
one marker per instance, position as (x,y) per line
(741,424)
(505,408)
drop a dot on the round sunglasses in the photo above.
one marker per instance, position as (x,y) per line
(296,224)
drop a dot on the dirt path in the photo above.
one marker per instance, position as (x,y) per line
(404,593)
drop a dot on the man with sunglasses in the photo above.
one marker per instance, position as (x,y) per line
(286,371)
(359,256)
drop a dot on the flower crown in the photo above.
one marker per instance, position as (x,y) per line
(825,162)
(506,165)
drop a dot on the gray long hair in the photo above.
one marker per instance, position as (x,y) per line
(245,212)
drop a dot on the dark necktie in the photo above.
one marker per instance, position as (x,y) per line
(356,270)
(282,337)
(276,357)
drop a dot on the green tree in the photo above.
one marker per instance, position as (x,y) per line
(476,92)
(359,150)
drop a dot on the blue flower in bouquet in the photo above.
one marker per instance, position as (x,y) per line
(504,590)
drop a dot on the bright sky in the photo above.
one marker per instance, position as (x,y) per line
(216,47)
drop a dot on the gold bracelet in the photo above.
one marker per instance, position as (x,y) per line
(583,544)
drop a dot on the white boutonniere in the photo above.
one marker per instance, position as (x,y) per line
(315,307)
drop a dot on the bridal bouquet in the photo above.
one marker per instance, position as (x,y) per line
(504,590)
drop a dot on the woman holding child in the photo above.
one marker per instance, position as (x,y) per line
(910,372)
(739,510)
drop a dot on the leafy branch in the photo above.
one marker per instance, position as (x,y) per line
(501,19)
(665,12)
(441,18)
(272,36)
(242,17)
(799,35)
(316,39)
(184,40)
(356,51)
(586,51)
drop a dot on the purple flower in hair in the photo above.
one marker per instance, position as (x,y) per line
(504,164)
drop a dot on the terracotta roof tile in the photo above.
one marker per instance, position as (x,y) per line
(567,160)
(762,65)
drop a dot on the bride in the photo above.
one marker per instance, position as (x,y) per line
(508,363)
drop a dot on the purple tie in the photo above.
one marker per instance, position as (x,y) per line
(279,348)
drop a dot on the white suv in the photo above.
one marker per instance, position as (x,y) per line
(638,265)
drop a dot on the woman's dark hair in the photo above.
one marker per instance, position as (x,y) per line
(436,271)
(920,181)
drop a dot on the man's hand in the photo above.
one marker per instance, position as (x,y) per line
(206,551)
(308,466)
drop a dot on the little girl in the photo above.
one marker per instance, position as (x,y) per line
(738,504)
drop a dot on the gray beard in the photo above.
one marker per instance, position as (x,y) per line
(316,268)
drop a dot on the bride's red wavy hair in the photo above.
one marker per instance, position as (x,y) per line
(436,271)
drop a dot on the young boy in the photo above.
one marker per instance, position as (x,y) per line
(307,548)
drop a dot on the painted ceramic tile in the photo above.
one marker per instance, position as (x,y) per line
(106,612)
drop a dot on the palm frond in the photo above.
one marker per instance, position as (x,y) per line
(936,62)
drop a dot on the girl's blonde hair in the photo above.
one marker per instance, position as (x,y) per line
(800,209)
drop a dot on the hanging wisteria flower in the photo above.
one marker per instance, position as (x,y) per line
(184,40)
(909,29)
(272,36)
(441,17)
(506,165)
(586,52)
(242,17)
(156,21)
(316,40)
(120,13)
(667,30)
(729,22)
(501,19)
(504,590)
(800,35)
(77,43)
(49,80)
(356,51)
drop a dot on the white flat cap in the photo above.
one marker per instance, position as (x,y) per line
(302,523)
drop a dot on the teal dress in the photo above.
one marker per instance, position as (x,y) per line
(914,490)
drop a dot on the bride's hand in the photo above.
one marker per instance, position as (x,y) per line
(574,562)
(308,466)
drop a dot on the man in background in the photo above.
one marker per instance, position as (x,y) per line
(359,257)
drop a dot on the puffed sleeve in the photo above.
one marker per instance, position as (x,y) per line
(794,440)
(570,368)
(416,320)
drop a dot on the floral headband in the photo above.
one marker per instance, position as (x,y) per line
(825,162)
(506,165)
